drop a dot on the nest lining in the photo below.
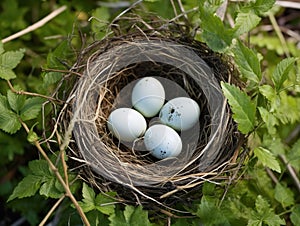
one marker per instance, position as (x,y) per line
(111,69)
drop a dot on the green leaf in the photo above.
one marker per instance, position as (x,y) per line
(132,216)
(31,108)
(26,187)
(247,62)
(214,33)
(49,188)
(268,92)
(269,119)
(262,6)
(1,48)
(293,155)
(9,121)
(6,73)
(209,213)
(245,22)
(15,101)
(105,203)
(32,136)
(267,158)
(281,71)
(295,215)
(88,202)
(284,195)
(11,59)
(40,168)
(243,108)
(264,214)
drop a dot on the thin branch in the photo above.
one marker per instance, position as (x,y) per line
(36,25)
(60,178)
(43,222)
(291,171)
(21,92)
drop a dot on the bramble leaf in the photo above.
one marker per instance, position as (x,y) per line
(247,62)
(281,72)
(209,213)
(264,214)
(6,73)
(130,216)
(11,59)
(31,108)
(262,6)
(88,202)
(269,119)
(9,121)
(105,203)
(214,33)
(245,22)
(267,158)
(284,195)
(295,215)
(26,187)
(243,108)
(15,101)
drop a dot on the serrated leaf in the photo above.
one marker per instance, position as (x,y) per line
(281,72)
(293,155)
(11,59)
(295,215)
(9,121)
(26,187)
(284,195)
(267,158)
(247,62)
(132,216)
(40,168)
(214,33)
(48,189)
(209,213)
(105,204)
(88,202)
(242,107)
(262,6)
(6,73)
(31,108)
(268,92)
(245,22)
(15,101)
(269,119)
(264,214)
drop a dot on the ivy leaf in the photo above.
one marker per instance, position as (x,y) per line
(243,108)
(247,62)
(31,108)
(130,216)
(295,215)
(264,214)
(105,203)
(15,101)
(267,158)
(281,71)
(11,59)
(245,22)
(284,195)
(214,33)
(26,187)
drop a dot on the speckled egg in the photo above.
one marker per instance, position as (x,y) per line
(180,113)
(162,141)
(126,124)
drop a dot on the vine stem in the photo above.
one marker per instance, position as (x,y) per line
(60,178)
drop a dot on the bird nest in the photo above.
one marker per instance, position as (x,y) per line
(185,67)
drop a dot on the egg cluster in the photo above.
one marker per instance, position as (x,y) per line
(148,100)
